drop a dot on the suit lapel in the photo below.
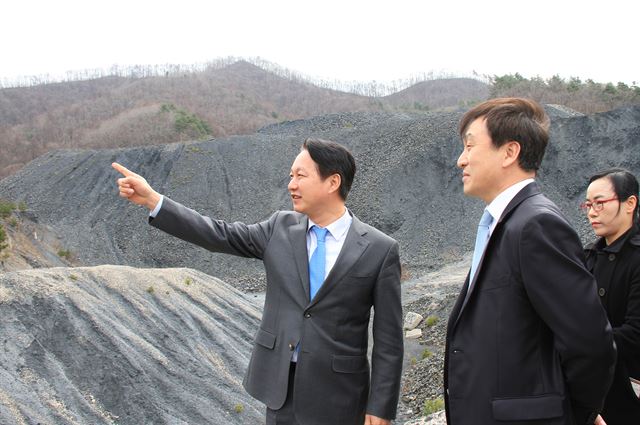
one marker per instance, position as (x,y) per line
(526,192)
(298,240)
(354,246)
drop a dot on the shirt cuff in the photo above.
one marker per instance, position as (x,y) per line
(156,210)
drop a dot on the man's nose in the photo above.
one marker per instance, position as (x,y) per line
(462,160)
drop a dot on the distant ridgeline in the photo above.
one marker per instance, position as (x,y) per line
(151,105)
(148,105)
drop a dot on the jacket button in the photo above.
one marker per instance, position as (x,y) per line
(612,257)
(601,292)
(291,347)
(307,315)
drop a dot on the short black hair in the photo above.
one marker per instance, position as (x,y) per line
(514,119)
(624,185)
(332,158)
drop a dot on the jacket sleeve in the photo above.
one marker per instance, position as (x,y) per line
(564,294)
(388,349)
(627,336)
(244,240)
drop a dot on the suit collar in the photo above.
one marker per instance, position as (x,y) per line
(338,228)
(528,191)
(298,240)
(354,246)
(501,202)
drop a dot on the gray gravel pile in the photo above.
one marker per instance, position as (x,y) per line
(407,185)
(117,345)
(122,345)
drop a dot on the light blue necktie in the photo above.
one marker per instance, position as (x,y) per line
(482,238)
(317,262)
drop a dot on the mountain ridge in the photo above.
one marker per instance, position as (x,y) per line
(125,111)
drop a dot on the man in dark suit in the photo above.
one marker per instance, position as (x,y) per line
(527,340)
(325,270)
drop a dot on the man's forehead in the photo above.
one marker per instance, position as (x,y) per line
(474,128)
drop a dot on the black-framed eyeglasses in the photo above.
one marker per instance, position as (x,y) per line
(597,205)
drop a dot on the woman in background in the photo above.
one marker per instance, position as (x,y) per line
(614,259)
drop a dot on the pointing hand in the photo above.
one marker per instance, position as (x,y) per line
(135,188)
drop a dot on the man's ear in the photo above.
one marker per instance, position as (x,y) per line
(511,153)
(334,182)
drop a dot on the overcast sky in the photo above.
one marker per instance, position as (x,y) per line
(345,40)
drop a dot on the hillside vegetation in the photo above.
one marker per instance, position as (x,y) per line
(149,105)
(239,98)
(586,97)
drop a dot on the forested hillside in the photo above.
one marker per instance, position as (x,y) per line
(131,110)
(150,105)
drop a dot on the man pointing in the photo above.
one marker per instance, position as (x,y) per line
(325,271)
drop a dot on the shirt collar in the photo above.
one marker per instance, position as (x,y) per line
(338,228)
(500,203)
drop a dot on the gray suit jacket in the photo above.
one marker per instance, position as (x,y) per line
(334,383)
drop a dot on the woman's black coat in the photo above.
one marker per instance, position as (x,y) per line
(617,272)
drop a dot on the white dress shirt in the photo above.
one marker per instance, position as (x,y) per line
(336,235)
(499,204)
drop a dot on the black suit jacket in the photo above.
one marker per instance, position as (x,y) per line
(532,343)
(334,384)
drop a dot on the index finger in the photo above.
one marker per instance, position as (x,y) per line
(122,170)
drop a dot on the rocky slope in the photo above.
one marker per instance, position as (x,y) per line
(117,345)
(407,185)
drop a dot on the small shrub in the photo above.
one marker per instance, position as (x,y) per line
(13,222)
(239,408)
(426,354)
(432,406)
(431,320)
(6,208)
(186,122)
(22,206)
(64,253)
(187,281)
(3,238)
(73,277)
(413,361)
(168,107)
(150,289)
